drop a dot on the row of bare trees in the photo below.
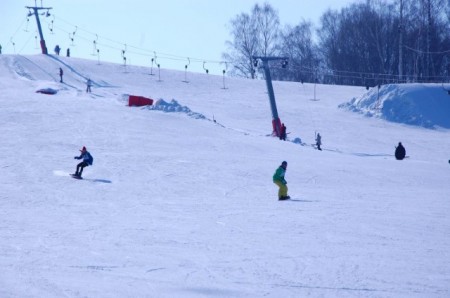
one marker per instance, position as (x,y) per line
(369,43)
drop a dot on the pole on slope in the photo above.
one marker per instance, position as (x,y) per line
(276,122)
(34,10)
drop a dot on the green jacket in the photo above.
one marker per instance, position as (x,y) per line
(279,175)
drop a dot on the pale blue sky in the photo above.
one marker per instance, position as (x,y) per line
(174,29)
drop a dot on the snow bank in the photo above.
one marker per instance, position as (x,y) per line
(174,107)
(425,105)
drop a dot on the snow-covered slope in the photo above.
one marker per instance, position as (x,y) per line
(182,205)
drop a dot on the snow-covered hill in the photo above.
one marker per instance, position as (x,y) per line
(180,202)
(426,105)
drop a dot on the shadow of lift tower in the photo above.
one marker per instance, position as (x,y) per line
(276,122)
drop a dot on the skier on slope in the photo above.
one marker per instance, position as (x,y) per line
(87,161)
(88,86)
(278,179)
(318,141)
(57,50)
(400,151)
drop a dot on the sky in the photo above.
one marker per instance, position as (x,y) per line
(177,205)
(169,31)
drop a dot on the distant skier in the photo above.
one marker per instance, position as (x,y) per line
(57,50)
(278,179)
(400,151)
(319,141)
(283,132)
(88,86)
(0,49)
(87,161)
(61,75)
(68,52)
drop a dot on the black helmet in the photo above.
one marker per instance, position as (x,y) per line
(284,163)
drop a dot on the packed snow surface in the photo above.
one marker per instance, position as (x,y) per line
(180,200)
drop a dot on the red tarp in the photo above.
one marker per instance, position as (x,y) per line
(138,101)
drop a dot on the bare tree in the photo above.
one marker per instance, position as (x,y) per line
(297,44)
(243,46)
(427,39)
(366,43)
(383,41)
(268,24)
(253,35)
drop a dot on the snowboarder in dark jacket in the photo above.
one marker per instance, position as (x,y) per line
(87,161)
(61,75)
(278,179)
(400,151)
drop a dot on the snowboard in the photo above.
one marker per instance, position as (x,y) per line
(76,177)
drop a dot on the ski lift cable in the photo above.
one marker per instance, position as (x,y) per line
(147,52)
(18,28)
(165,55)
(138,50)
(31,35)
(353,74)
(426,53)
(28,22)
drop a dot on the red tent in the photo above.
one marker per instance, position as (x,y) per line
(139,101)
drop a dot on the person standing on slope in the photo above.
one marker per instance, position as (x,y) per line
(87,161)
(283,132)
(318,141)
(400,151)
(61,75)
(278,179)
(88,86)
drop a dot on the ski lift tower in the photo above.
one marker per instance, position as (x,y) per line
(34,10)
(276,122)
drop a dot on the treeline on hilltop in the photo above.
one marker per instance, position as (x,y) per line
(365,44)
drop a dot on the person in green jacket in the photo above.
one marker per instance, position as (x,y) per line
(278,179)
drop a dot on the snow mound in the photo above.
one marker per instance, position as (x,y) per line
(174,107)
(425,105)
(49,91)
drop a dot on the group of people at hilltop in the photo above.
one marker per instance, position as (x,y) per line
(58,50)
